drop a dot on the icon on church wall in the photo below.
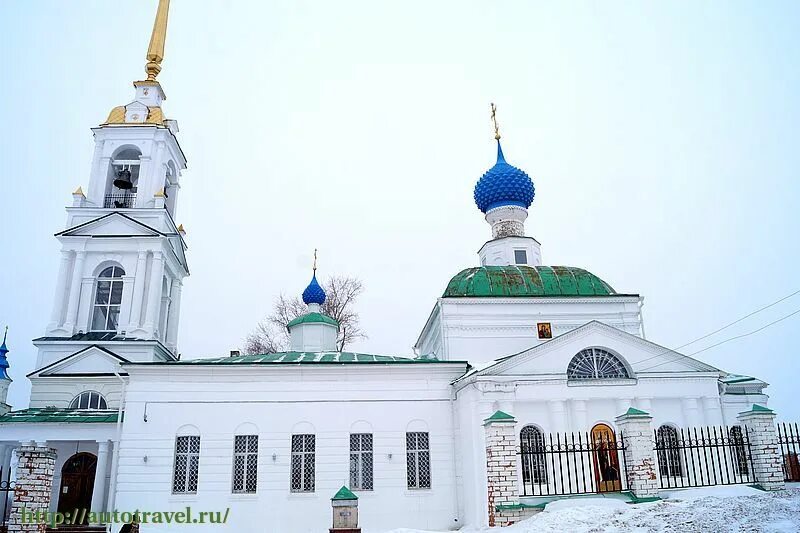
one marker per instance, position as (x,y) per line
(544,329)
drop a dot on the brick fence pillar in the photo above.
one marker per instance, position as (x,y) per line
(35,466)
(759,424)
(501,469)
(640,463)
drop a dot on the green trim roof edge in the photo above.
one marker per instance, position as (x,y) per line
(313,318)
(527,281)
(55,415)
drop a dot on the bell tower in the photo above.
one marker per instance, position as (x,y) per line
(122,254)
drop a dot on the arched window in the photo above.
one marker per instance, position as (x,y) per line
(669,458)
(89,400)
(534,465)
(739,450)
(596,363)
(107,299)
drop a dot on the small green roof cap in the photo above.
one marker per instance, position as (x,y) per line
(632,411)
(500,416)
(522,280)
(344,494)
(759,409)
(313,318)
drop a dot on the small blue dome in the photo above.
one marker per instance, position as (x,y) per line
(314,293)
(503,185)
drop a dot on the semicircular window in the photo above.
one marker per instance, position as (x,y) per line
(89,400)
(596,363)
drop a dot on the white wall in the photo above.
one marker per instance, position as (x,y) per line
(279,402)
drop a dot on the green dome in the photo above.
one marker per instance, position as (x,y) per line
(520,280)
(313,318)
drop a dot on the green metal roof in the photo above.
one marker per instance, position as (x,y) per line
(344,494)
(522,280)
(307,358)
(500,416)
(313,318)
(53,414)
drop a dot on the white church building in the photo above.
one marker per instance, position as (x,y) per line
(514,353)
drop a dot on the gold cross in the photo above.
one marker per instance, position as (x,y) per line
(494,121)
(315,260)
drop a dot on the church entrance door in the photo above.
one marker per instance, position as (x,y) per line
(77,482)
(606,460)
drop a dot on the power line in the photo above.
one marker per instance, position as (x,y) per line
(776,302)
(729,339)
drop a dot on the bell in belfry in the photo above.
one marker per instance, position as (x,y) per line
(123,180)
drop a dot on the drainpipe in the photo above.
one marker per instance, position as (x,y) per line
(112,488)
(455,457)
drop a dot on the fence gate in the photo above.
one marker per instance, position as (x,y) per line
(699,457)
(789,440)
(571,463)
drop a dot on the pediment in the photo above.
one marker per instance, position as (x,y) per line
(92,360)
(639,355)
(111,225)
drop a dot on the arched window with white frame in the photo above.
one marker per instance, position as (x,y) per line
(596,363)
(107,299)
(89,400)
(534,464)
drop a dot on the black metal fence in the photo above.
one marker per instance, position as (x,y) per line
(120,201)
(699,457)
(571,463)
(789,441)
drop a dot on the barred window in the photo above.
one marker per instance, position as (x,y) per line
(361,461)
(187,460)
(303,463)
(739,451)
(534,463)
(669,457)
(245,464)
(418,460)
(596,363)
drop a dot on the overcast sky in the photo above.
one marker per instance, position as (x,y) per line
(662,139)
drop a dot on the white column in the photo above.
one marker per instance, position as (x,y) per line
(61,291)
(125,309)
(579,415)
(622,405)
(691,412)
(138,291)
(154,298)
(712,411)
(84,311)
(645,404)
(557,409)
(99,491)
(75,292)
(174,315)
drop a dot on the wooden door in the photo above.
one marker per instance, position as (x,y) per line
(77,483)
(606,460)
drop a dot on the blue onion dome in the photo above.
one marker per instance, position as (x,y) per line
(314,293)
(3,360)
(503,185)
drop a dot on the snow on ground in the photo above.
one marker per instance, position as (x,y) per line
(716,509)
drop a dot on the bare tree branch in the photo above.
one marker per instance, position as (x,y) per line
(341,293)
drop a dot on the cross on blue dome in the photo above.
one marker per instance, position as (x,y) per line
(503,185)
(314,293)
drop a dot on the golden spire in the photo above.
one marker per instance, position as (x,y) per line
(494,121)
(155,52)
(315,261)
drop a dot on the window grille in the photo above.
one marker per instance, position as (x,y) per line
(669,458)
(596,363)
(534,463)
(739,451)
(89,400)
(187,460)
(418,460)
(361,461)
(245,464)
(303,456)
(108,299)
